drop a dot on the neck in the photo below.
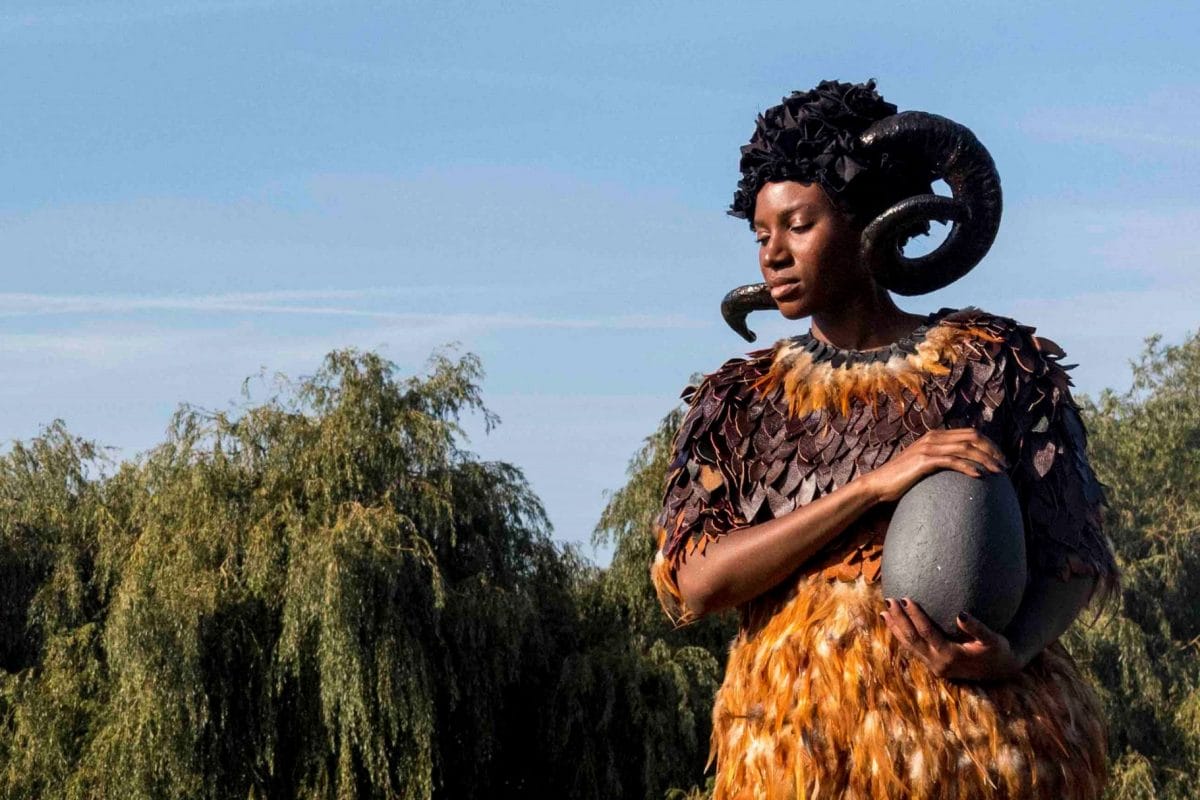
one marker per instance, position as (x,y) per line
(864,322)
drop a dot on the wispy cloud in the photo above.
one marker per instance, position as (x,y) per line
(14,304)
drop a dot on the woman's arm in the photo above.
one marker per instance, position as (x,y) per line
(742,564)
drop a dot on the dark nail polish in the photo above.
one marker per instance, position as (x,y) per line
(888,602)
(962,617)
(904,602)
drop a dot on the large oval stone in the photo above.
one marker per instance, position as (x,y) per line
(957,543)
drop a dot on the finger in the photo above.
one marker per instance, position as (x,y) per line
(902,626)
(964,465)
(970,452)
(985,445)
(969,445)
(953,434)
(973,437)
(923,625)
(906,636)
(887,619)
(977,629)
(988,444)
(888,616)
(976,452)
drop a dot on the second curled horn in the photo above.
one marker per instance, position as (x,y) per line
(953,154)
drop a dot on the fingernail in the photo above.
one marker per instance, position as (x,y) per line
(962,617)
(882,616)
(887,601)
(904,602)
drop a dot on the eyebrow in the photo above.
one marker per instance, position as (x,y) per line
(786,212)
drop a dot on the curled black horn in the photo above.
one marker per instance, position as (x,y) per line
(738,304)
(954,154)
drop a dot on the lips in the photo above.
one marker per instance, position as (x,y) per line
(785,291)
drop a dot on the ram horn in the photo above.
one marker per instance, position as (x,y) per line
(738,304)
(953,154)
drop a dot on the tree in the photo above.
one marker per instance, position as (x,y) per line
(1145,657)
(320,596)
(677,671)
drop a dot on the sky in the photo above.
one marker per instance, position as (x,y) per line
(197,192)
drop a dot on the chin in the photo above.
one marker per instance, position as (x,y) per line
(793,310)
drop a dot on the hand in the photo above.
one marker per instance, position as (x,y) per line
(987,655)
(963,449)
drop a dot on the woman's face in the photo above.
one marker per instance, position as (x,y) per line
(808,249)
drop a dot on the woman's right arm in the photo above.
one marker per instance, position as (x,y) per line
(743,563)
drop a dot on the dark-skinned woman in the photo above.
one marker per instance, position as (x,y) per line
(789,463)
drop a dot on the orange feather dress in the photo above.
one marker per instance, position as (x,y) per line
(819,700)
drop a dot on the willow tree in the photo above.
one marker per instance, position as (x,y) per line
(680,668)
(321,595)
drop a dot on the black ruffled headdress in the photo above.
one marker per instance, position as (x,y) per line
(812,137)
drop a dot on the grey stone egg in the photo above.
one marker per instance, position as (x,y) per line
(957,543)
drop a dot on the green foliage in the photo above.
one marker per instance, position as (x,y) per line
(320,596)
(678,670)
(1145,446)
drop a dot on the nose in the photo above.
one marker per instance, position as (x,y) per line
(774,255)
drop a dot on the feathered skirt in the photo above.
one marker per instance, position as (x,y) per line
(820,701)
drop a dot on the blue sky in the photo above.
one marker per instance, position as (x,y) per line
(194,191)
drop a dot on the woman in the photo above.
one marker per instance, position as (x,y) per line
(789,462)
